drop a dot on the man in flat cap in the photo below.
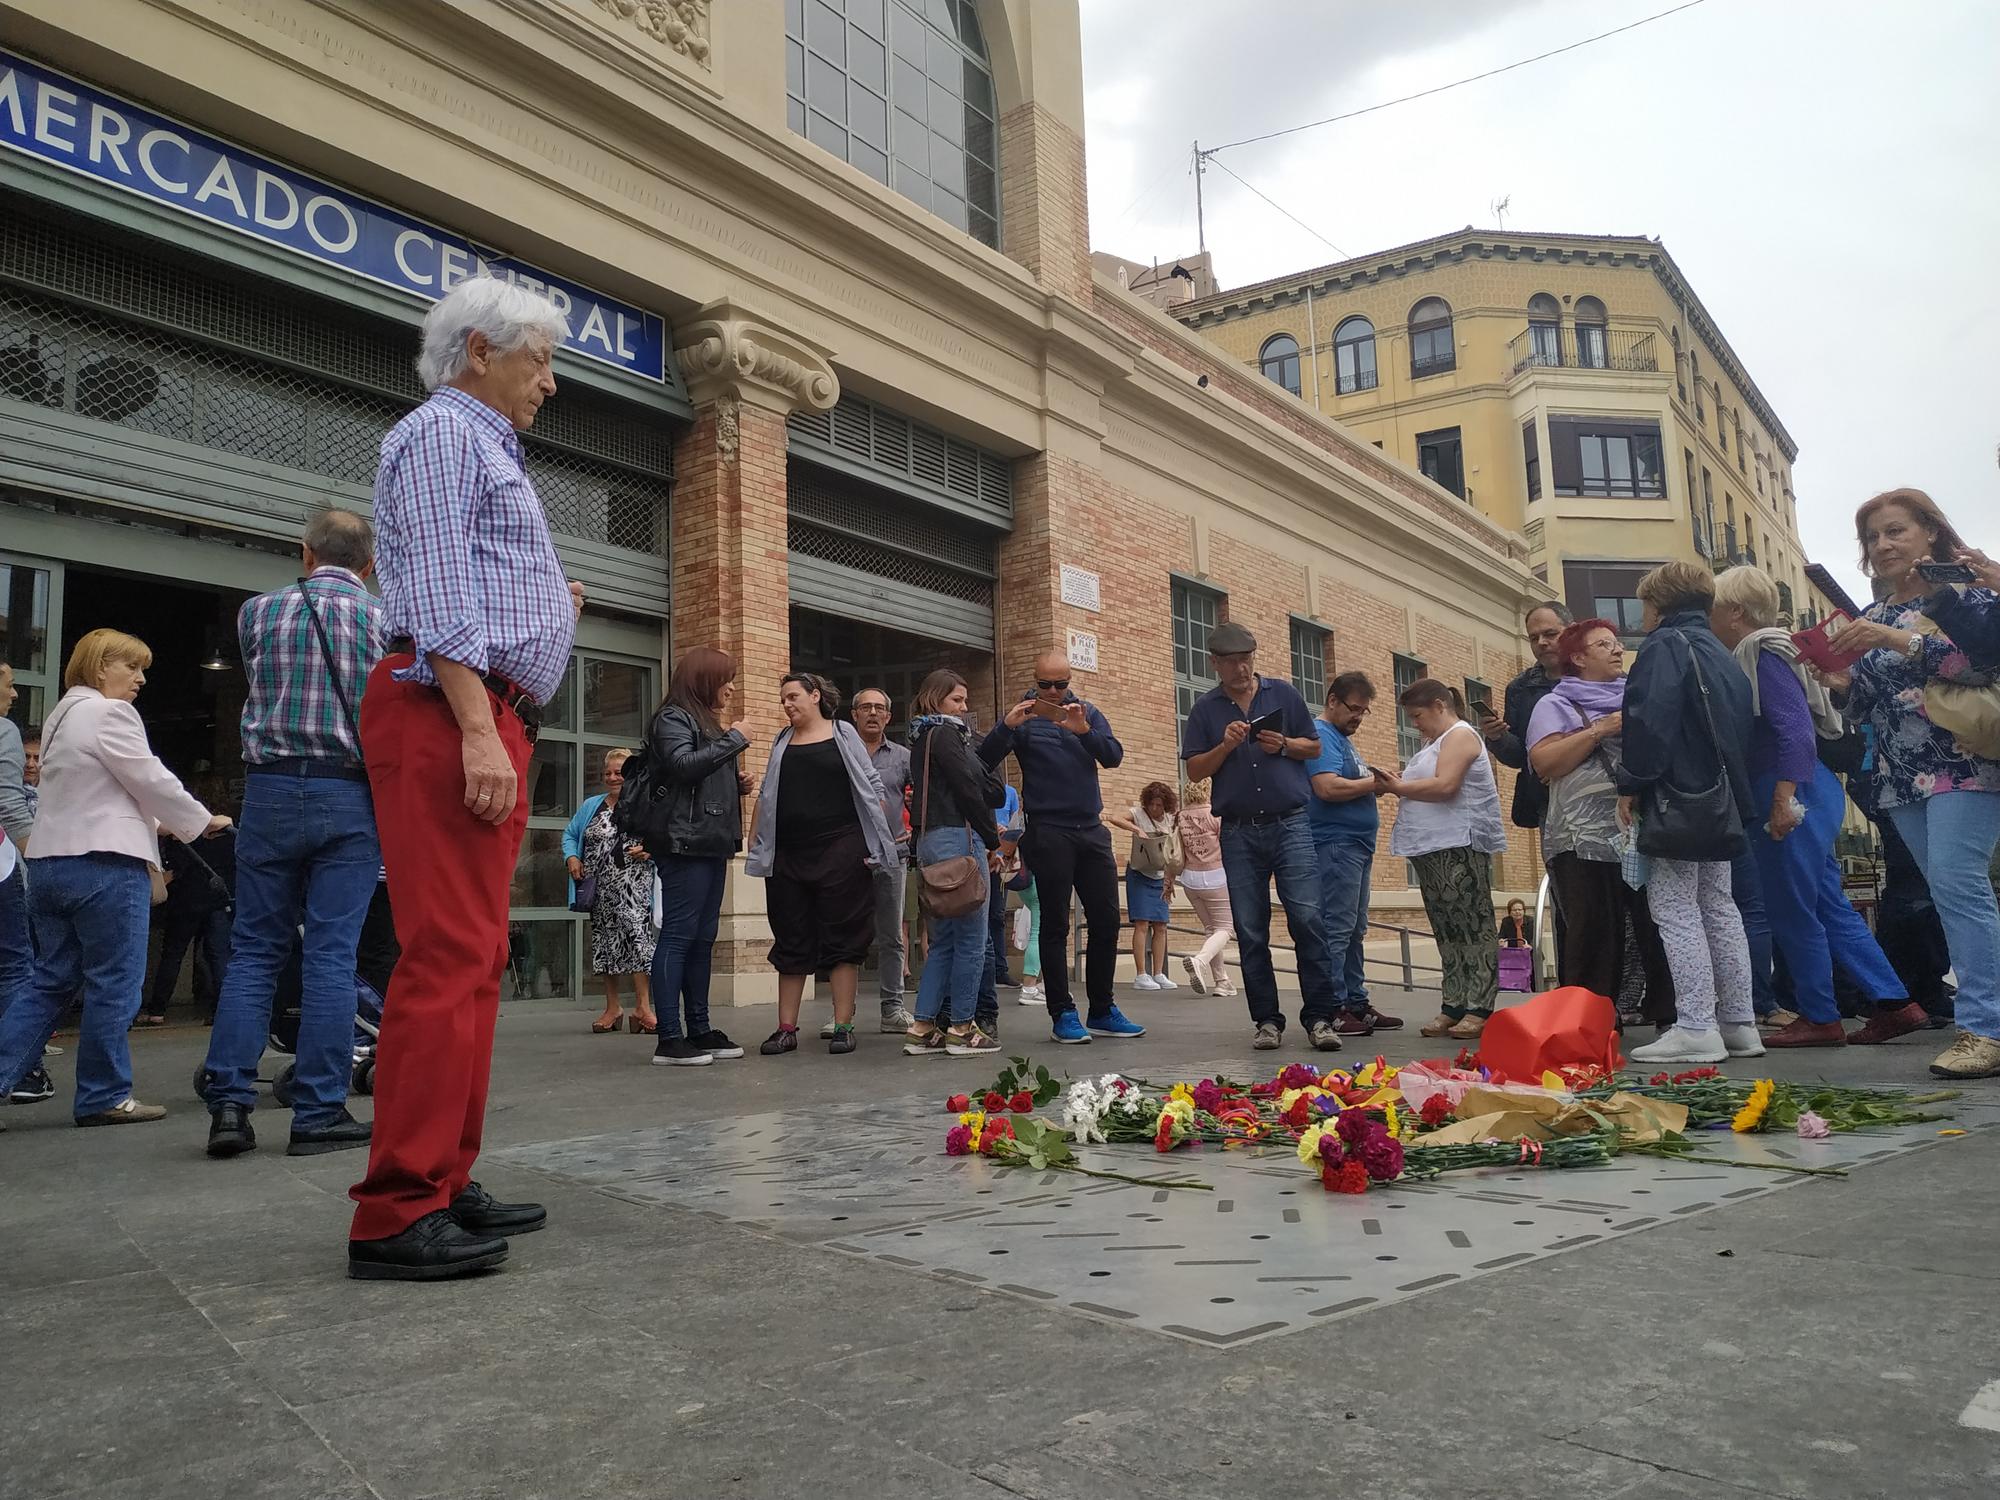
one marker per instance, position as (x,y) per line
(1253,736)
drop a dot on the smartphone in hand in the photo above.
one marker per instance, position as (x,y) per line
(1048,710)
(1270,723)
(1946,572)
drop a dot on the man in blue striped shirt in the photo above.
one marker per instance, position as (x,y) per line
(481,622)
(306,849)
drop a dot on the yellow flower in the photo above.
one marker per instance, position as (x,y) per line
(1181,1091)
(1181,1109)
(1751,1115)
(976,1118)
(1309,1144)
(1393,1120)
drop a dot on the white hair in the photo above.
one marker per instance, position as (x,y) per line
(508,315)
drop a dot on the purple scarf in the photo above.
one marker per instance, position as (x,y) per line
(1592,699)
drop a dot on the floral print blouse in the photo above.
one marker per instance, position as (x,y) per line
(1914,759)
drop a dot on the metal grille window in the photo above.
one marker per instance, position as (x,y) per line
(861,435)
(1408,741)
(117,329)
(1197,611)
(903,90)
(1309,661)
(842,520)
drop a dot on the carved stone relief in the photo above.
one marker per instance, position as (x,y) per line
(678,25)
(726,351)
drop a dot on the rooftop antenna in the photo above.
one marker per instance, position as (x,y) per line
(1500,207)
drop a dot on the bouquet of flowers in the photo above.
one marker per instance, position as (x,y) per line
(1354,1151)
(1038,1145)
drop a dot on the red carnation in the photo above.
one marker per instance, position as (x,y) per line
(1357,1125)
(1298,1114)
(993,1102)
(958,1104)
(997,1128)
(1436,1110)
(1660,1078)
(1022,1103)
(1382,1158)
(1349,1177)
(1330,1152)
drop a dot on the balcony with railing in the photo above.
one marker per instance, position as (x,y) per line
(1589,347)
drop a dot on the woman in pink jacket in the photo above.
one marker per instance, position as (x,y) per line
(1207,892)
(105,798)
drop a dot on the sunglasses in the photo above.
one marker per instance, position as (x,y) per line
(1046,683)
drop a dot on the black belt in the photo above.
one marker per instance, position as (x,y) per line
(1258,820)
(511,695)
(302,768)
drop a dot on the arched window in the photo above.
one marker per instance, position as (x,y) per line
(1544,330)
(1591,350)
(1354,356)
(1432,351)
(904,91)
(1279,361)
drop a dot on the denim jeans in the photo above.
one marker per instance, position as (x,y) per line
(1746,886)
(961,947)
(1953,835)
(306,853)
(1811,920)
(996,923)
(1344,864)
(17,954)
(1253,855)
(88,915)
(684,957)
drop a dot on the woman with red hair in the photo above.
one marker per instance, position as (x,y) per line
(1573,743)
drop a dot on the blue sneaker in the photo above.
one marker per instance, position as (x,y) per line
(1114,1023)
(1070,1030)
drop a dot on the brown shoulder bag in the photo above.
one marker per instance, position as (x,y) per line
(951,887)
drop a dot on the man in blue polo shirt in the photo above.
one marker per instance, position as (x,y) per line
(1252,736)
(1344,821)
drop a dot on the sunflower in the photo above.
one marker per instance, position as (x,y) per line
(1751,1115)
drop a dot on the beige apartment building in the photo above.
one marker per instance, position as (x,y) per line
(1571,388)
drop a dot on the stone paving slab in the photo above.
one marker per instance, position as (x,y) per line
(1265,1252)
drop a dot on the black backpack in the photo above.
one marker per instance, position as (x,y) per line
(643,811)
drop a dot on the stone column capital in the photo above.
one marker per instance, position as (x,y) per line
(728,351)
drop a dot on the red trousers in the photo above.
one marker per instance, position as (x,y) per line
(449,877)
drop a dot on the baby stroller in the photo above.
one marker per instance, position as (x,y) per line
(375,962)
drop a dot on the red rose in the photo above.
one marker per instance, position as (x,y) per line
(993,1101)
(958,1104)
(958,1140)
(1022,1103)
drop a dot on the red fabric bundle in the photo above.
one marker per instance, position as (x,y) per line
(1563,1027)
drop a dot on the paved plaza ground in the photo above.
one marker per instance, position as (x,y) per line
(695,1323)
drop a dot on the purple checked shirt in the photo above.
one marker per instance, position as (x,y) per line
(462,548)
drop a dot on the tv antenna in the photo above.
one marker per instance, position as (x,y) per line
(1499,206)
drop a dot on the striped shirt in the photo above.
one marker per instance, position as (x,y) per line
(462,547)
(293,711)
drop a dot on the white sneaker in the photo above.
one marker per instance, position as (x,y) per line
(1161,982)
(826,1032)
(1743,1040)
(1031,994)
(1145,982)
(1677,1045)
(1194,975)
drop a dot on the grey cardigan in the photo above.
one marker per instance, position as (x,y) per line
(862,780)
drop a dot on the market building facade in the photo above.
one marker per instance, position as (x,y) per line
(841,388)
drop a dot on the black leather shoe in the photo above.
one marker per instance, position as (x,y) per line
(343,1134)
(229,1132)
(479,1212)
(431,1249)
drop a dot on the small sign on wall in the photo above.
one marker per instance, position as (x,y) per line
(1082,651)
(1082,588)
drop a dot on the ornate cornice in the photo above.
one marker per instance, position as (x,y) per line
(726,351)
(678,25)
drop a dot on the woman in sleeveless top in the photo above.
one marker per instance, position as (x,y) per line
(1448,827)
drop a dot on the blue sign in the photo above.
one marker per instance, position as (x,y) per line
(56,119)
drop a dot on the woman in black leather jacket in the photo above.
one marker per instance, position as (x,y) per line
(689,815)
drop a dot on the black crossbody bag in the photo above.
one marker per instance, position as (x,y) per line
(1685,825)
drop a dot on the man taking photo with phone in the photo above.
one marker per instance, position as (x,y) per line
(1060,742)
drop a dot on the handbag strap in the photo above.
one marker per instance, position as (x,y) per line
(1707,712)
(332,671)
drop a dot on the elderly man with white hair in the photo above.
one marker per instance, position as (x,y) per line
(480,622)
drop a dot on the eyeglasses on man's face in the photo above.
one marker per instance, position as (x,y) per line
(1359,710)
(1051,684)
(871,708)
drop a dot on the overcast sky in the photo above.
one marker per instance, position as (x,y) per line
(1826,172)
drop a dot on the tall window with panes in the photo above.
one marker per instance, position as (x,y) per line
(1408,740)
(1197,611)
(1309,662)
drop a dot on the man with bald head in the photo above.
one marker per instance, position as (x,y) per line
(1060,742)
